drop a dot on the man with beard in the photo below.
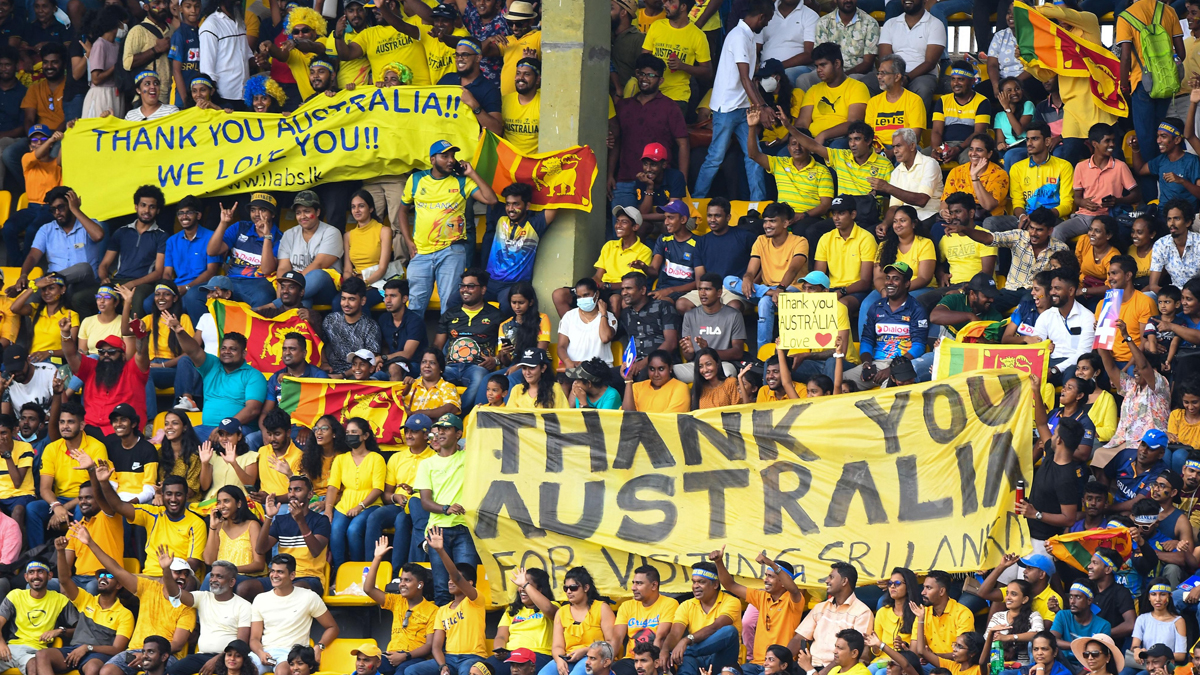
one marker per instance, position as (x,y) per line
(599,658)
(1189,496)
(278,456)
(291,296)
(147,44)
(626,39)
(643,119)
(920,39)
(38,617)
(704,630)
(231,387)
(137,250)
(356,71)
(223,615)
(1079,621)
(351,329)
(61,477)
(72,244)
(104,626)
(956,310)
(411,642)
(321,76)
(31,426)
(1115,601)
(302,535)
(521,109)
(1177,255)
(186,261)
(134,459)
(119,376)
(1068,325)
(108,529)
(22,381)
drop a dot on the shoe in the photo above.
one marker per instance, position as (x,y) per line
(186,403)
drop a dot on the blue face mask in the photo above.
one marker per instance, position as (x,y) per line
(586,304)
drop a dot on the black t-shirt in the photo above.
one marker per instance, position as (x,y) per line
(1114,602)
(1053,485)
(472,335)
(131,464)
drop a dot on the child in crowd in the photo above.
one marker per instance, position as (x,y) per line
(497,390)
(1160,344)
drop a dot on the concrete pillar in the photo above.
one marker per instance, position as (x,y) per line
(576,41)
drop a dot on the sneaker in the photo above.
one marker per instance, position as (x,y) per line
(186,403)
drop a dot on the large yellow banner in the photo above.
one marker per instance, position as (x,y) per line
(920,477)
(353,135)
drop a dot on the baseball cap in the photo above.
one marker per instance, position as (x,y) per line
(843,203)
(1039,561)
(443,12)
(815,278)
(40,130)
(230,425)
(364,354)
(15,358)
(901,267)
(676,206)
(418,422)
(656,151)
(902,370)
(217,282)
(1159,651)
(1155,438)
(306,198)
(984,283)
(532,357)
(629,211)
(366,649)
(1173,478)
(449,420)
(294,277)
(581,373)
(521,655)
(113,341)
(125,410)
(180,565)
(441,146)
(263,200)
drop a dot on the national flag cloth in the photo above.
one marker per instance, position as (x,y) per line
(1043,43)
(954,357)
(1076,548)
(379,403)
(264,337)
(560,180)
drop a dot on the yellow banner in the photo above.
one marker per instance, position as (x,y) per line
(356,134)
(921,477)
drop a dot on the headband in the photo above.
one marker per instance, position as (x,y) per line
(469,44)
(1145,520)
(200,79)
(1169,128)
(319,63)
(37,565)
(106,292)
(164,287)
(143,75)
(961,72)
(1106,561)
(530,65)
(1160,588)
(1082,590)
(1192,464)
(57,279)
(704,573)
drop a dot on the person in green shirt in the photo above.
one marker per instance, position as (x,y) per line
(974,304)
(439,482)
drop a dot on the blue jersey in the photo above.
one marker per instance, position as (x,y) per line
(514,248)
(888,334)
(185,48)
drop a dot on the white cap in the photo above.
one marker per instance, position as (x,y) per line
(364,354)
(180,565)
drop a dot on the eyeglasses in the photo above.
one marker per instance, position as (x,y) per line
(572,588)
(1092,654)
(186,212)
(464,55)
(468,286)
(323,427)
(645,74)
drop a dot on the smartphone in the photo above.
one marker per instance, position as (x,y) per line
(458,169)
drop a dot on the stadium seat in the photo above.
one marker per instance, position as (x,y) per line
(22,201)
(5,205)
(1127,147)
(158,420)
(355,573)
(337,659)
(131,565)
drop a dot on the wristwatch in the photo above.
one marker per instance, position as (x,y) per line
(691,638)
(89,649)
(1038,515)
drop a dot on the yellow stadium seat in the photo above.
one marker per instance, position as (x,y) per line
(337,659)
(158,420)
(355,573)
(1127,146)
(481,226)
(5,205)
(1107,18)
(435,302)
(287,220)
(879,16)
(11,274)
(131,565)
(766,351)
(23,201)
(739,209)
(959,17)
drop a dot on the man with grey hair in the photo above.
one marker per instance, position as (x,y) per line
(223,616)
(916,180)
(599,658)
(895,107)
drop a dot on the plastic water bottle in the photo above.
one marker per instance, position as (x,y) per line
(997,660)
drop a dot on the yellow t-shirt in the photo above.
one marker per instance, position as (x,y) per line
(714,21)
(689,44)
(543,327)
(22,454)
(365,245)
(1143,10)
(465,626)
(831,105)
(674,396)
(887,117)
(37,615)
(355,71)
(642,622)
(888,625)
(644,19)
(270,480)
(964,255)
(92,330)
(520,398)
(1143,264)
(692,615)
(440,209)
(402,466)
(46,333)
(384,44)
(420,622)
(614,259)
(439,55)
(845,256)
(161,349)
(779,131)
(116,618)
(184,538)
(156,616)
(775,259)
(578,634)
(355,481)
(921,249)
(1189,434)
(67,474)
(521,121)
(109,534)
(529,629)
(513,51)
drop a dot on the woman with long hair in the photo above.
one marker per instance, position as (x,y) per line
(236,660)
(529,620)
(539,387)
(779,661)
(236,530)
(180,452)
(964,654)
(712,388)
(368,246)
(1098,654)
(1075,392)
(164,350)
(528,328)
(326,441)
(1158,624)
(356,480)
(1143,235)
(226,460)
(582,620)
(39,331)
(895,617)
(102,96)
(1094,252)
(905,240)
(1024,317)
(1102,407)
(1016,626)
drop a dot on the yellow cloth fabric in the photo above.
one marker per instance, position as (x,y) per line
(438,54)
(365,245)
(888,626)
(184,538)
(513,51)
(529,629)
(921,249)
(887,117)
(714,21)
(520,398)
(321,482)
(34,616)
(725,393)
(614,259)
(1041,603)
(543,327)
(161,349)
(774,260)
(779,131)
(642,622)
(941,631)
(645,18)
(1103,415)
(355,481)
(578,634)
(47,336)
(1136,310)
(994,180)
(22,455)
(831,105)
(355,71)
(855,178)
(223,473)
(689,44)
(402,466)
(672,397)
(845,255)
(109,534)
(1189,434)
(93,330)
(1143,263)
(465,626)
(188,470)
(270,480)
(964,255)
(67,474)
(692,615)
(239,550)
(521,121)
(419,622)
(440,210)
(383,45)
(423,398)
(297,63)
(117,617)
(156,616)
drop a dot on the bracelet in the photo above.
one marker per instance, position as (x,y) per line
(65,336)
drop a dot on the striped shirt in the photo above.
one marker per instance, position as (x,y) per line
(852,176)
(801,188)
(960,118)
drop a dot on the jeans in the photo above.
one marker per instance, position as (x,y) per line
(188,379)
(625,193)
(12,162)
(577,668)
(37,514)
(410,531)
(252,291)
(874,297)
(1012,155)
(468,375)
(319,289)
(460,664)
(766,307)
(386,667)
(1182,607)
(348,537)
(942,10)
(26,221)
(1147,112)
(461,549)
(160,378)
(445,267)
(891,8)
(716,651)
(792,73)
(1074,151)
(724,125)
(923,364)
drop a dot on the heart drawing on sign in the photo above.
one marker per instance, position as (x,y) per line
(823,338)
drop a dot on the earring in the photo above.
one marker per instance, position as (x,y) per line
(420,585)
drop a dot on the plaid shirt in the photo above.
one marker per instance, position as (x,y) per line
(861,37)
(647,326)
(1025,264)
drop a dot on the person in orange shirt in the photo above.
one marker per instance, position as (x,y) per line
(780,604)
(42,174)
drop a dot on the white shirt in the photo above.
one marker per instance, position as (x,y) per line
(207,328)
(925,177)
(287,619)
(136,114)
(740,47)
(225,54)
(1053,327)
(584,337)
(219,621)
(910,44)
(39,389)
(784,36)
(326,239)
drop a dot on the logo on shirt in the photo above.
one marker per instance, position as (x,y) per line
(136,466)
(193,54)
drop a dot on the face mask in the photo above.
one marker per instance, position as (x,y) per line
(586,304)
(121,33)
(353,440)
(770,84)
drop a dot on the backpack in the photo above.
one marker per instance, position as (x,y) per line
(1160,74)
(124,78)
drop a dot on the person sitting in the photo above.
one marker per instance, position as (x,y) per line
(1101,182)
(412,615)
(237,659)
(776,380)
(1014,113)
(134,459)
(186,262)
(586,331)
(311,249)
(16,475)
(1160,627)
(904,241)
(104,626)
(724,251)
(895,107)
(252,247)
(430,394)
(980,177)
(896,327)
(224,616)
(136,253)
(458,635)
(802,183)
(1016,625)
(846,254)
(963,255)
(72,245)
(916,179)
(647,323)
(831,105)
(1094,252)
(36,616)
(713,388)
(1176,169)
(302,534)
(582,623)
(60,479)
(527,626)
(854,167)
(350,329)
(777,259)
(236,529)
(1067,325)
(660,392)
(920,39)
(368,245)
(959,115)
(962,654)
(590,388)
(42,173)
(822,626)
(403,332)
(39,329)
(469,334)
(645,621)
(614,262)
(93,329)
(711,325)
(540,387)
(704,632)
(283,616)
(527,328)
(955,310)
(163,347)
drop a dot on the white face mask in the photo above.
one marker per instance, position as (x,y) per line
(586,304)
(770,84)
(121,33)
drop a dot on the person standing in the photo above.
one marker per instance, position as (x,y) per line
(920,39)
(684,48)
(440,481)
(646,118)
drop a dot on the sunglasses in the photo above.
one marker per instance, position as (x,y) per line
(407,616)
(1093,654)
(895,584)
(108,352)
(572,588)
(301,31)
(104,575)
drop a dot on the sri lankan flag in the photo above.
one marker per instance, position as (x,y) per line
(1076,548)
(954,357)
(307,399)
(264,337)
(560,180)
(1045,44)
